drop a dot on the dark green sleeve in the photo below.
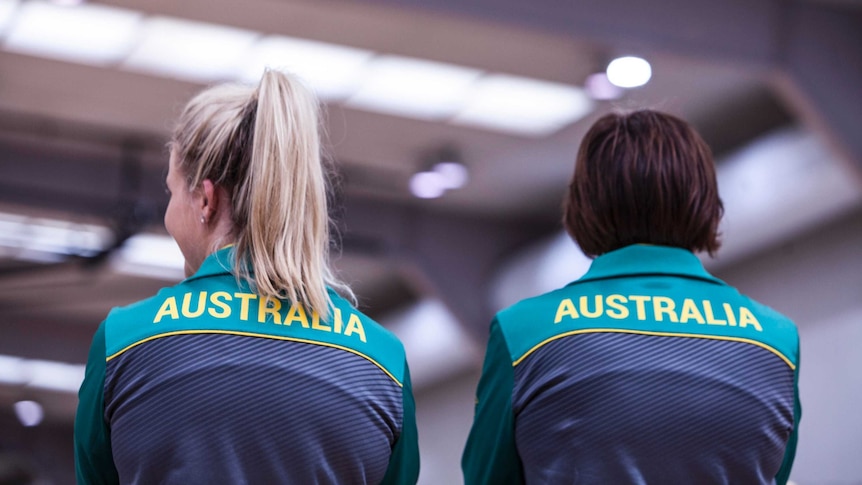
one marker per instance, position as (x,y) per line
(404,462)
(94,463)
(790,451)
(490,456)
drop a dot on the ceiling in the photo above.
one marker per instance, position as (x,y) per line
(86,144)
(380,152)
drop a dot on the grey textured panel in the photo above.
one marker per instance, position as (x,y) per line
(623,408)
(234,409)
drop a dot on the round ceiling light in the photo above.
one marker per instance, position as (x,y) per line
(427,185)
(30,413)
(629,72)
(455,174)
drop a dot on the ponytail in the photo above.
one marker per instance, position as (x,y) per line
(287,235)
(264,147)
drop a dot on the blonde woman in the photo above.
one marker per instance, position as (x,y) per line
(253,369)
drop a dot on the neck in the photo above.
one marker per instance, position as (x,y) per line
(220,234)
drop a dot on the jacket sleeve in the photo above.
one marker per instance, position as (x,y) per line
(490,456)
(790,451)
(404,461)
(94,462)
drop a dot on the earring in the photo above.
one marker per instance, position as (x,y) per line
(203,220)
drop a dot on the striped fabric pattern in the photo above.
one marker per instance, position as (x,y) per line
(654,404)
(249,408)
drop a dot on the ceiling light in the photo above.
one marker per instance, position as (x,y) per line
(446,161)
(24,236)
(427,185)
(191,51)
(333,71)
(41,374)
(55,376)
(203,53)
(12,370)
(454,174)
(49,240)
(629,72)
(7,11)
(523,106)
(413,88)
(88,34)
(30,413)
(600,87)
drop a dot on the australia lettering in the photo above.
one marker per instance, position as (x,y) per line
(657,308)
(251,307)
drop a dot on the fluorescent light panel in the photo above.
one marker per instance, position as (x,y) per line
(12,371)
(54,376)
(191,51)
(414,88)
(50,240)
(202,52)
(523,106)
(332,71)
(87,34)
(7,11)
(40,235)
(41,374)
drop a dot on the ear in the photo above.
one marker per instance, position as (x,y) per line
(210,199)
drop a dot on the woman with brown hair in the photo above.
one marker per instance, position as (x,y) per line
(647,369)
(252,369)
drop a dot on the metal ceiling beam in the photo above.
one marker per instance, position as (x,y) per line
(811,51)
(452,256)
(823,58)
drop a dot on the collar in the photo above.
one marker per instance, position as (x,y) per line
(218,263)
(221,262)
(645,259)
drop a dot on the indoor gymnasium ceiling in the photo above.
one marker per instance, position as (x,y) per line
(83,142)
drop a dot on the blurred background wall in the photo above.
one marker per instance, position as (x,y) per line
(452,127)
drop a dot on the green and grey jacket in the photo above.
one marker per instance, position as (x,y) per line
(207,382)
(646,370)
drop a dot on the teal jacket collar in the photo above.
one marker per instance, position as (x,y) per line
(643,259)
(222,262)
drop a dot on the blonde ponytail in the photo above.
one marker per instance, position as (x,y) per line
(264,146)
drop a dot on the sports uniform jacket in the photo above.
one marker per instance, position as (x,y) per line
(207,382)
(646,370)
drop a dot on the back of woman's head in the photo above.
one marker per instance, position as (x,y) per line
(643,177)
(261,145)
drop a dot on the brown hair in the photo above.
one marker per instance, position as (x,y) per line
(643,177)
